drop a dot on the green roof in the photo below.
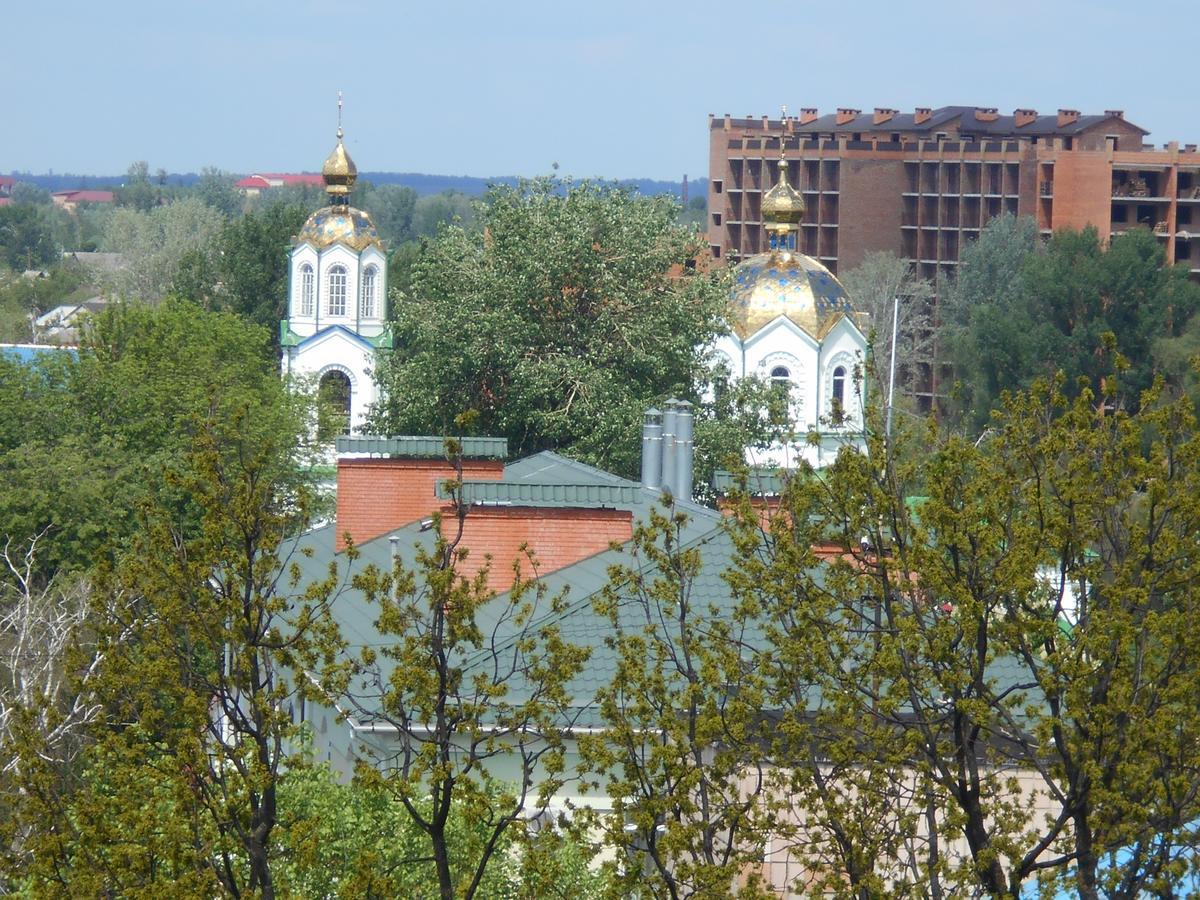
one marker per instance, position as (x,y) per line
(422,446)
(522,493)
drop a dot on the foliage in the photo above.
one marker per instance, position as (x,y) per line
(392,208)
(89,434)
(1028,616)
(557,325)
(462,681)
(155,242)
(138,192)
(1018,312)
(26,240)
(199,630)
(217,189)
(680,755)
(874,286)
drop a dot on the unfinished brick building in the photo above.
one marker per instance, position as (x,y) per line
(923,184)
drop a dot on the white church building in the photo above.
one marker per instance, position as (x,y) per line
(791,322)
(337,302)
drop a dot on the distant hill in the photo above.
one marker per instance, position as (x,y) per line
(422,184)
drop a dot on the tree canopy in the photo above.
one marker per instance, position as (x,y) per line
(567,311)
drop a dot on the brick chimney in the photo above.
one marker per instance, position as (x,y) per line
(921,115)
(986,114)
(808,114)
(882,115)
(845,114)
(1067,117)
(1115,113)
(392,482)
(1023,117)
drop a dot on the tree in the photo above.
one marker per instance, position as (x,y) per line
(558,324)
(465,681)
(1029,615)
(203,631)
(27,241)
(89,434)
(874,286)
(137,192)
(1018,312)
(155,243)
(216,189)
(392,208)
(680,753)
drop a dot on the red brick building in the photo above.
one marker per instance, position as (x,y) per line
(923,184)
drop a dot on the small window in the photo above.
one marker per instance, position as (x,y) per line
(337,291)
(307,290)
(366,300)
(780,374)
(839,392)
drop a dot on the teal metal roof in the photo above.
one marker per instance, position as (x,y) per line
(524,493)
(422,446)
(758,481)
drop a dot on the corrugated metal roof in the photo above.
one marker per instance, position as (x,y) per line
(522,493)
(422,446)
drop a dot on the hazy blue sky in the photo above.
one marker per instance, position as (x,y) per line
(612,88)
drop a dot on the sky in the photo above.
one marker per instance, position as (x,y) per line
(614,89)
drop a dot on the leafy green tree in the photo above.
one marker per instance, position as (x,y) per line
(28,243)
(680,754)
(155,243)
(393,210)
(26,194)
(216,189)
(464,681)
(558,322)
(433,211)
(137,192)
(90,433)
(1022,632)
(201,632)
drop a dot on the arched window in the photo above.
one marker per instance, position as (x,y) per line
(333,405)
(337,291)
(780,375)
(307,290)
(838,406)
(366,298)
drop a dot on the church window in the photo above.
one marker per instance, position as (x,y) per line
(333,405)
(780,375)
(366,300)
(839,392)
(307,289)
(337,291)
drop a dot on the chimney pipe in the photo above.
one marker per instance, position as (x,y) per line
(808,114)
(652,449)
(670,420)
(922,115)
(684,451)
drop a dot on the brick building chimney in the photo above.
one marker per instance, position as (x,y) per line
(1023,117)
(1067,117)
(986,114)
(808,114)
(921,115)
(882,115)
(845,114)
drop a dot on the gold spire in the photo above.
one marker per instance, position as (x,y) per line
(782,205)
(339,170)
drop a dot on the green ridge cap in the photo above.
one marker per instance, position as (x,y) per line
(509,493)
(422,446)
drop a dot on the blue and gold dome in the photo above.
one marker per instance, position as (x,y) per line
(340,224)
(782,282)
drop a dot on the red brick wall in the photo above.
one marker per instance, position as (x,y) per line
(555,537)
(871,208)
(375,496)
(1083,191)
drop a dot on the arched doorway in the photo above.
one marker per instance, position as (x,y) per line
(333,405)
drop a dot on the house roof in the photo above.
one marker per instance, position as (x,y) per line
(84,196)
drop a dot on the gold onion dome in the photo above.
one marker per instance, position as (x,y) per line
(782,282)
(339,223)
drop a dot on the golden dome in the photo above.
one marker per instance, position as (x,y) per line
(340,224)
(782,204)
(339,171)
(784,283)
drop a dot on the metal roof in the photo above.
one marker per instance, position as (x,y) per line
(522,493)
(422,446)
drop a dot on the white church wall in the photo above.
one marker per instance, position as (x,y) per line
(335,350)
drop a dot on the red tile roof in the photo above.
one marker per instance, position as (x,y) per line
(84,196)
